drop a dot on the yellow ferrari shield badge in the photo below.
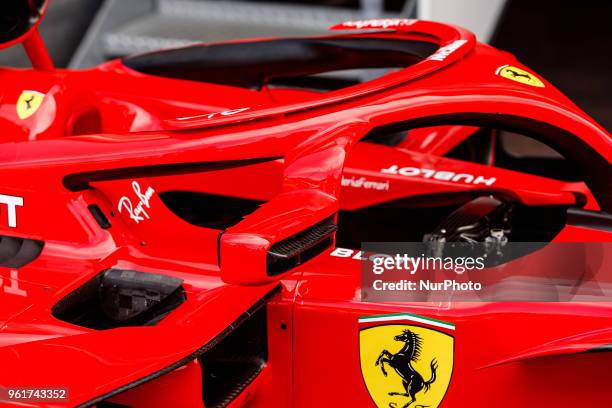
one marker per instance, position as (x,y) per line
(28,103)
(519,75)
(406,360)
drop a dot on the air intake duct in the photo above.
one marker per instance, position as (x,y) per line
(117,298)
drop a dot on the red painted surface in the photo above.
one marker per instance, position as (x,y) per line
(110,117)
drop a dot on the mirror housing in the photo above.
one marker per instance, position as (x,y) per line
(19,19)
(282,234)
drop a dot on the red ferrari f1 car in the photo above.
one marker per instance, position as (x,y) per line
(184,227)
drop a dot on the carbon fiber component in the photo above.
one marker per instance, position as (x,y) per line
(117,298)
(228,331)
(300,247)
(127,294)
(233,363)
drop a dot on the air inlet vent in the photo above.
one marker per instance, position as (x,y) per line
(116,298)
(301,247)
(233,363)
(17,252)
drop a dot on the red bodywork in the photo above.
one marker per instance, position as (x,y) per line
(288,148)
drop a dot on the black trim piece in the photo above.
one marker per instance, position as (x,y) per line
(598,220)
(219,248)
(296,244)
(604,348)
(17,252)
(258,305)
(106,404)
(99,216)
(80,181)
(234,363)
(299,248)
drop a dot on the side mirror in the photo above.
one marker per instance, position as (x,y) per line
(18,19)
(289,230)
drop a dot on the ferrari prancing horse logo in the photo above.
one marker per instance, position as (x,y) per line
(406,365)
(519,75)
(28,103)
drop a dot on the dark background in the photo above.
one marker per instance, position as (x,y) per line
(569,43)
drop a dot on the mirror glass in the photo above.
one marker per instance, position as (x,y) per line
(18,17)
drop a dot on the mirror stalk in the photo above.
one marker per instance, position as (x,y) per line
(37,52)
